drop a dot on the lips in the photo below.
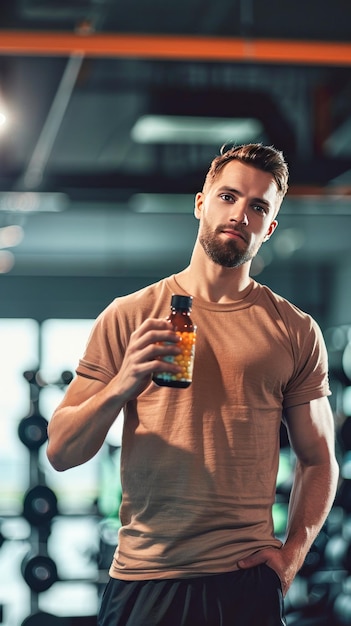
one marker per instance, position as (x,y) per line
(234,233)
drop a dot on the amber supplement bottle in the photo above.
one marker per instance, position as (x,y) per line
(183,325)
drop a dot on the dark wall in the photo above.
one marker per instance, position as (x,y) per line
(42,297)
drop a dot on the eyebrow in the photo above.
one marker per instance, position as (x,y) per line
(240,194)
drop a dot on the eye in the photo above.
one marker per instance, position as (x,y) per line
(259,209)
(227,197)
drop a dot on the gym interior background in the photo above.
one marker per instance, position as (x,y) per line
(110,114)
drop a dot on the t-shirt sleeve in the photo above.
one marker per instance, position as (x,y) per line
(310,379)
(104,350)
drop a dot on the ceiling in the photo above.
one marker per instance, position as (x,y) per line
(88,196)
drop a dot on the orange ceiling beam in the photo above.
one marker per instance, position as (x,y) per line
(190,48)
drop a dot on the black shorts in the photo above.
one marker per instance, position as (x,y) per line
(251,597)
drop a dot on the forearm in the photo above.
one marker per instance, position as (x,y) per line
(77,432)
(311,499)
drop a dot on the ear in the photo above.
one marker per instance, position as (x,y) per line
(199,200)
(273,225)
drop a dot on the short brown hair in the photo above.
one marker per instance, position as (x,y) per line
(265,158)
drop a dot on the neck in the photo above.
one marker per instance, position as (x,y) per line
(214,283)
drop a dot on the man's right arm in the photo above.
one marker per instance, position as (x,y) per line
(81,422)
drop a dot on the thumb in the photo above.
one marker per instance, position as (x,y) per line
(252,560)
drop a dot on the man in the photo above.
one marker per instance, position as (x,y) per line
(199,465)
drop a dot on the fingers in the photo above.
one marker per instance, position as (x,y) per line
(251,561)
(152,342)
(271,557)
(153,331)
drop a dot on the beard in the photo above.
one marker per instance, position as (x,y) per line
(229,253)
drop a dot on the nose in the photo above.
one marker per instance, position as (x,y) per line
(239,214)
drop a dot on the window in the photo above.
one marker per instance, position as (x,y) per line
(19,340)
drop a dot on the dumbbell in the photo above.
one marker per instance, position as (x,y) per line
(39,571)
(39,505)
(32,431)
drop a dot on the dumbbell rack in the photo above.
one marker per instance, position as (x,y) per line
(40,507)
(39,503)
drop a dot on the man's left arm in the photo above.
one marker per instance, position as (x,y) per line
(312,437)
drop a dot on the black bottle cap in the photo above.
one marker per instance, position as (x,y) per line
(181,302)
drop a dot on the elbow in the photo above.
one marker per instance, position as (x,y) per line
(55,458)
(55,450)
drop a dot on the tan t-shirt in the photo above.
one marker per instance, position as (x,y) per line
(199,465)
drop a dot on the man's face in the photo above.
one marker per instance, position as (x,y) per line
(237,214)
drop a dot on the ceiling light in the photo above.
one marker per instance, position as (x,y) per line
(7,261)
(32,202)
(11,236)
(204,130)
